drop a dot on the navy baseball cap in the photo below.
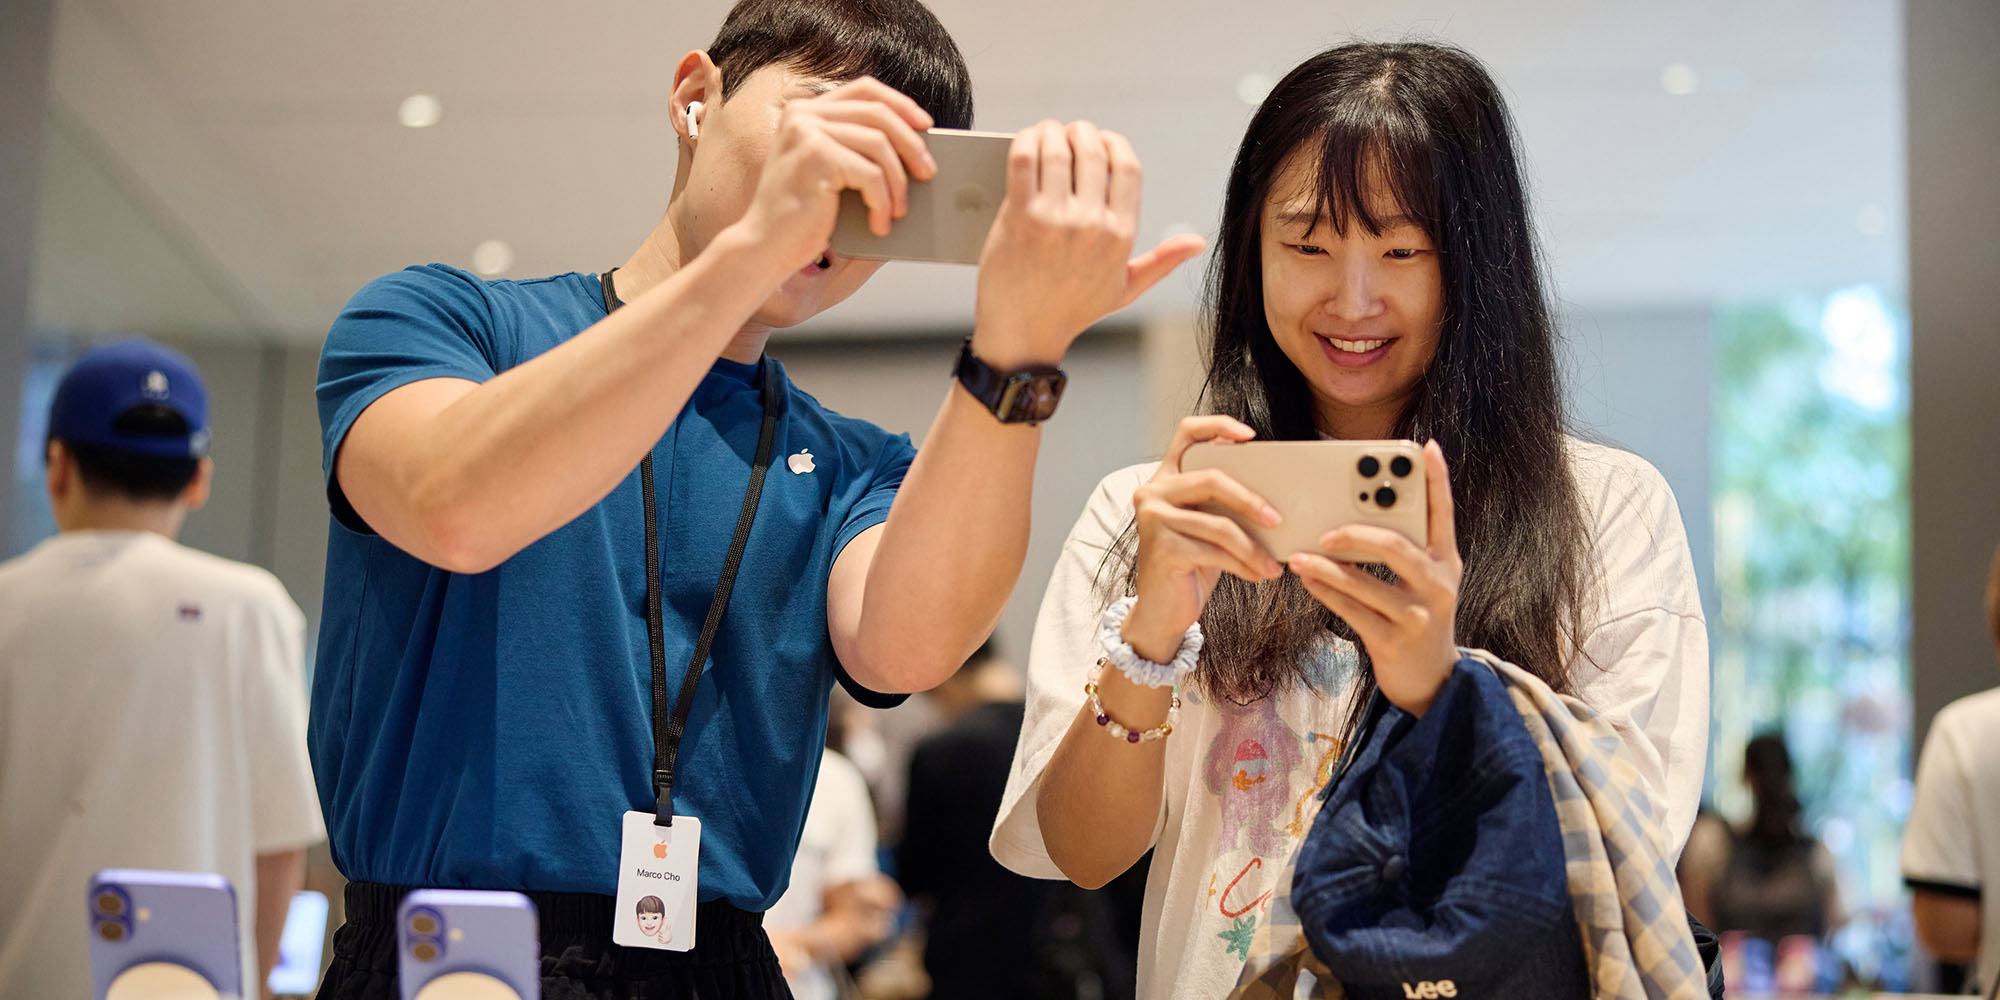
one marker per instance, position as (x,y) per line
(107,382)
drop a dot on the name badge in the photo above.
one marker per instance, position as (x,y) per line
(657,866)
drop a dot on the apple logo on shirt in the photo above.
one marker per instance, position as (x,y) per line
(801,463)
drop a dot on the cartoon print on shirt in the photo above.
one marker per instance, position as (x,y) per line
(1335,662)
(1239,935)
(1266,776)
(1306,808)
(1250,766)
(1333,666)
(1253,903)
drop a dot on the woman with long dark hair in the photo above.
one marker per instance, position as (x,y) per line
(1376,277)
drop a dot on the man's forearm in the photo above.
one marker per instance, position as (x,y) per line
(526,452)
(951,552)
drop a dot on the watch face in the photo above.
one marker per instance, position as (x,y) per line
(1036,399)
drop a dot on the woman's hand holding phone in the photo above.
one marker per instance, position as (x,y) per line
(1183,550)
(1409,626)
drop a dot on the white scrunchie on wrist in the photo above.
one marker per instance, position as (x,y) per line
(1136,668)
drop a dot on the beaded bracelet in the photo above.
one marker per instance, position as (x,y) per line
(1117,731)
(1141,671)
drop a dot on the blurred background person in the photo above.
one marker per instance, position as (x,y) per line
(1952,842)
(152,703)
(1770,889)
(988,931)
(839,904)
(878,742)
(1767,879)
(982,920)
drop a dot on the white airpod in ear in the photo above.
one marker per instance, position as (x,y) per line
(694,129)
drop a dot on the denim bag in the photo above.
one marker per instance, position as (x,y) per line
(1436,867)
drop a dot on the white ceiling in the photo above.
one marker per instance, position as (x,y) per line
(235,169)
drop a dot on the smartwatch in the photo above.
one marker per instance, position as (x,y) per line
(1023,397)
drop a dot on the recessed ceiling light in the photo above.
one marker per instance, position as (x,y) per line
(1252,88)
(419,111)
(1871,220)
(492,257)
(1679,79)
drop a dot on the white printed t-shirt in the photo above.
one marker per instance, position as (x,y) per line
(1951,844)
(1241,779)
(152,715)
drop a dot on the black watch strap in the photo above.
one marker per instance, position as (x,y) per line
(1028,396)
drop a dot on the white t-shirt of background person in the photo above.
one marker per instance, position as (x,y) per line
(152,715)
(837,846)
(1952,841)
(1241,780)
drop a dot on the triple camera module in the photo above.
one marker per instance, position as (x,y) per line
(1378,491)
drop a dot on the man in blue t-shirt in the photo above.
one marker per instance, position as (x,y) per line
(491,700)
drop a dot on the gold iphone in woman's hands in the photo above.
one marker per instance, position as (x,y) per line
(1318,486)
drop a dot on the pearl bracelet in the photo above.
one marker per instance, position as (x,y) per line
(1119,732)
(1138,669)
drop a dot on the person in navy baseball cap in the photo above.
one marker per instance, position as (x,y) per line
(128,429)
(188,667)
(135,397)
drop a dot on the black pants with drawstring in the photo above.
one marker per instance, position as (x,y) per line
(731,960)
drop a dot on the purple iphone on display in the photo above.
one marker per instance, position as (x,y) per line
(463,944)
(163,934)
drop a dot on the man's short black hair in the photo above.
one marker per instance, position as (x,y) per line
(144,478)
(898,42)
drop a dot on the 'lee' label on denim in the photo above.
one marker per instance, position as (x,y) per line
(1443,988)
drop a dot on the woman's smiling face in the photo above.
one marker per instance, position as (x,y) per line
(1358,313)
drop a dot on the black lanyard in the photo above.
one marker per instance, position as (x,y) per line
(668,729)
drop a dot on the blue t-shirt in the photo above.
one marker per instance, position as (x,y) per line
(490,730)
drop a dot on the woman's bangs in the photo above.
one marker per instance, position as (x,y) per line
(1369,148)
